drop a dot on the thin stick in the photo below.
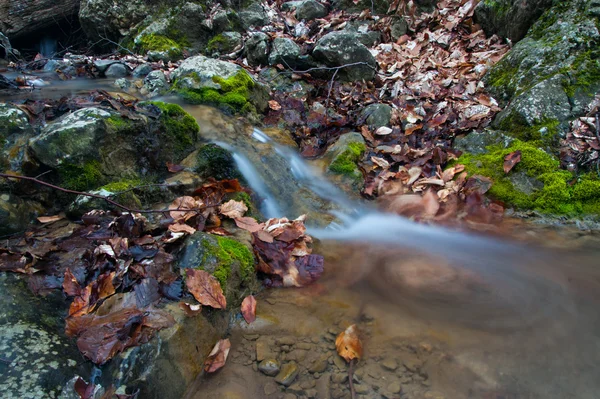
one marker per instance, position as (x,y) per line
(350,376)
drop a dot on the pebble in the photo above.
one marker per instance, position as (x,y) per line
(303,345)
(288,374)
(271,301)
(262,350)
(295,388)
(339,363)
(308,384)
(315,340)
(389,364)
(286,341)
(251,337)
(412,364)
(285,348)
(320,365)
(433,395)
(362,389)
(338,393)
(289,396)
(394,387)
(269,367)
(312,393)
(298,355)
(270,388)
(254,367)
(339,378)
(323,387)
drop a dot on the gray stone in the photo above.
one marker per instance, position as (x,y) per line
(341,48)
(263,350)
(142,70)
(324,386)
(253,15)
(15,132)
(107,19)
(398,28)
(257,49)
(284,51)
(221,21)
(17,214)
(476,142)
(203,69)
(362,389)
(510,18)
(389,364)
(524,183)
(377,115)
(270,388)
(269,367)
(156,83)
(102,65)
(305,9)
(116,71)
(225,43)
(339,363)
(287,375)
(320,365)
(394,388)
(123,84)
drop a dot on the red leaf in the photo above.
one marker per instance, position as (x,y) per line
(218,356)
(249,309)
(205,288)
(70,284)
(511,160)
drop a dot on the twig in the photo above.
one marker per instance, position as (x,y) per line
(116,44)
(350,376)
(328,96)
(108,200)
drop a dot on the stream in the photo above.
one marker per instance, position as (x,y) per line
(444,313)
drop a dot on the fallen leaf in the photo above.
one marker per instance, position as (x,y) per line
(348,344)
(70,284)
(511,160)
(274,105)
(205,288)
(50,219)
(383,131)
(184,207)
(249,309)
(233,209)
(181,228)
(218,356)
(249,224)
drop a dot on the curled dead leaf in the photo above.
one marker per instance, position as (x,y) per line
(233,209)
(205,288)
(218,356)
(383,131)
(181,228)
(274,105)
(348,344)
(249,309)
(511,160)
(184,207)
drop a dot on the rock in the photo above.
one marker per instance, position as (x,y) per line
(263,350)
(297,354)
(525,183)
(323,387)
(305,9)
(377,115)
(6,84)
(21,18)
(103,65)
(257,49)
(284,51)
(362,389)
(339,378)
(270,388)
(15,131)
(156,84)
(269,367)
(225,43)
(229,261)
(253,15)
(339,363)
(113,20)
(204,69)
(398,28)
(216,162)
(342,160)
(287,375)
(220,21)
(123,84)
(341,48)
(142,70)
(379,6)
(116,71)
(510,18)
(17,214)
(394,388)
(476,142)
(389,364)
(286,341)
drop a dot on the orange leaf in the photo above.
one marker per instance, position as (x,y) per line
(348,344)
(249,309)
(511,160)
(218,356)
(70,284)
(205,288)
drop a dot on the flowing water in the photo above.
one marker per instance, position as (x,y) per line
(460,314)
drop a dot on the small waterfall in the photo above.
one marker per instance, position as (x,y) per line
(48,47)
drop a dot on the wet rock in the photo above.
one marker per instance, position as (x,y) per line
(394,388)
(142,70)
(104,18)
(305,9)
(21,19)
(476,142)
(342,159)
(203,69)
(339,362)
(103,65)
(297,354)
(6,84)
(295,388)
(341,48)
(389,364)
(156,83)
(287,375)
(15,131)
(377,115)
(253,15)
(524,183)
(17,214)
(225,43)
(320,365)
(263,349)
(116,71)
(270,388)
(286,341)
(510,18)
(399,28)
(339,378)
(284,51)
(269,367)
(362,389)
(257,49)
(323,386)
(123,84)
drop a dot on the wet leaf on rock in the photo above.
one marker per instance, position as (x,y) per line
(233,209)
(511,160)
(218,356)
(348,344)
(205,288)
(249,309)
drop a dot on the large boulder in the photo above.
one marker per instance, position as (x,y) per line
(203,80)
(93,146)
(551,76)
(111,19)
(15,131)
(19,18)
(510,18)
(305,9)
(342,48)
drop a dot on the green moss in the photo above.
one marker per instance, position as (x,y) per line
(154,42)
(81,178)
(119,123)
(544,131)
(584,73)
(233,94)
(226,252)
(217,43)
(500,77)
(124,193)
(216,162)
(346,162)
(178,124)
(558,195)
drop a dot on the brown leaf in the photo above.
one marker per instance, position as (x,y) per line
(274,105)
(70,284)
(181,228)
(184,207)
(249,224)
(205,288)
(218,356)
(233,209)
(511,160)
(249,309)
(50,219)
(348,344)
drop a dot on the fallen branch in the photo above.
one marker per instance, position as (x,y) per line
(90,195)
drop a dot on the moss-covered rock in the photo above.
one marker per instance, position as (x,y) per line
(537,182)
(343,158)
(15,131)
(202,80)
(216,162)
(230,261)
(224,43)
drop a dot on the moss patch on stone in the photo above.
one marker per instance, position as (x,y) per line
(216,162)
(154,42)
(81,178)
(233,94)
(178,124)
(346,163)
(226,252)
(558,196)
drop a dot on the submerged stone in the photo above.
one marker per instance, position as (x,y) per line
(287,375)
